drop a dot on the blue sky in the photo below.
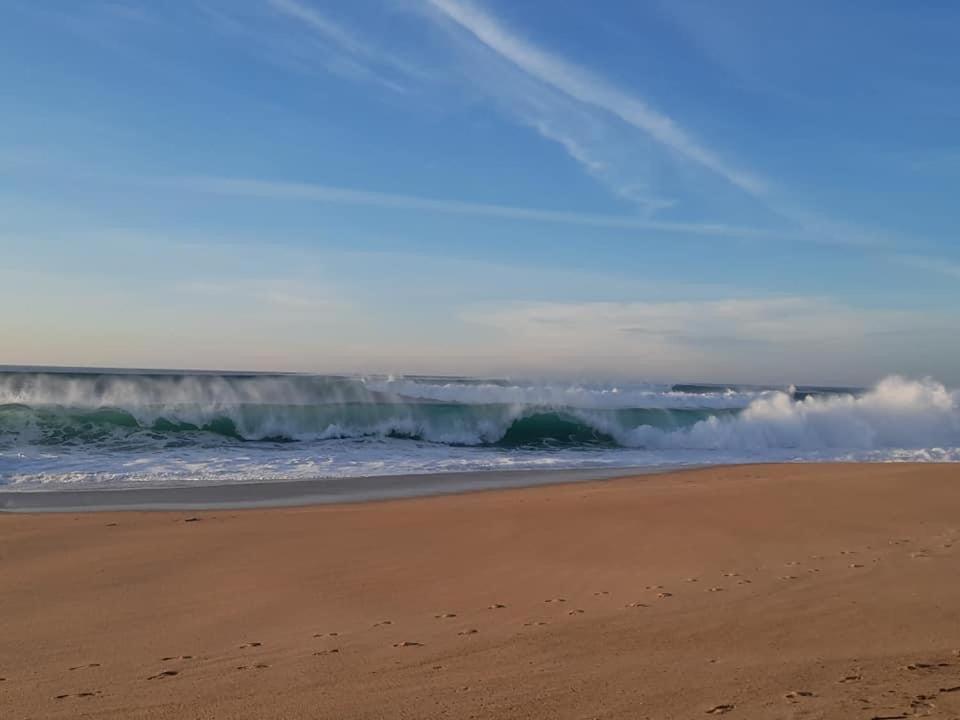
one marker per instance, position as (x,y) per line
(740,191)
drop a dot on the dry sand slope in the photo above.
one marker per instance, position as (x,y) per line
(799,591)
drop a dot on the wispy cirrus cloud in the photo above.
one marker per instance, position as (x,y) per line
(298,35)
(641,154)
(940,266)
(591,89)
(760,320)
(771,336)
(339,35)
(618,136)
(234,187)
(278,294)
(594,123)
(581,150)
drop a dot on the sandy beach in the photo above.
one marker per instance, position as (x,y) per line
(784,591)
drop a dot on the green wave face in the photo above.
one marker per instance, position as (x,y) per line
(448,423)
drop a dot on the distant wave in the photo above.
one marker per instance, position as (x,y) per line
(568,396)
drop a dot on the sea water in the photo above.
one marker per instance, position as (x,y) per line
(87,429)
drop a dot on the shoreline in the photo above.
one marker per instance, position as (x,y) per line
(304,493)
(350,490)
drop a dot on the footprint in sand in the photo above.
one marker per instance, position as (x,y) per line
(576,611)
(731,574)
(163,674)
(601,592)
(176,657)
(850,679)
(953,689)
(250,645)
(331,651)
(471,631)
(85,694)
(856,565)
(84,667)
(320,635)
(788,577)
(383,622)
(258,666)
(535,623)
(444,616)
(407,643)
(654,587)
(636,605)
(664,594)
(692,579)
(719,709)
(813,570)
(744,582)
(715,588)
(791,563)
(556,600)
(192,519)
(795,695)
(496,606)
(926,666)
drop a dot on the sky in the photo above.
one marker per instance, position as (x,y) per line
(748,191)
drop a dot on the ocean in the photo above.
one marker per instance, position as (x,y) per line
(87,429)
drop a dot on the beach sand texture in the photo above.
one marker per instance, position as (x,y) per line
(786,591)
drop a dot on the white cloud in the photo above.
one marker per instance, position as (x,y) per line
(939,266)
(752,320)
(337,34)
(616,136)
(751,340)
(296,35)
(348,196)
(587,87)
(595,123)
(279,294)
(584,152)
(590,116)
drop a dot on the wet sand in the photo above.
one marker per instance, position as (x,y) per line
(319,491)
(790,591)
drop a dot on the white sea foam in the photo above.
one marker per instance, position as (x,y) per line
(897,413)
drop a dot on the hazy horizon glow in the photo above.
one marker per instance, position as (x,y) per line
(657,190)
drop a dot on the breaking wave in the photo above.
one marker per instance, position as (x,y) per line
(49,409)
(148,419)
